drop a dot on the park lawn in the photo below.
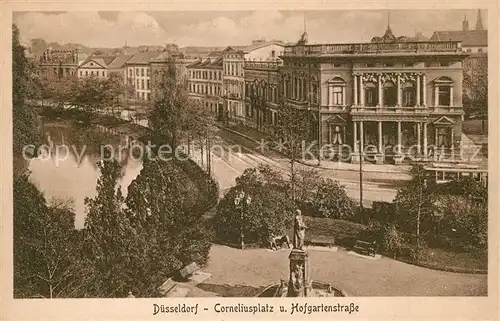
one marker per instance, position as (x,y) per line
(345,233)
(449,258)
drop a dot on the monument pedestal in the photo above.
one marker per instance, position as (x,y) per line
(299,284)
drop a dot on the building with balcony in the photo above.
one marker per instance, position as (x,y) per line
(392,97)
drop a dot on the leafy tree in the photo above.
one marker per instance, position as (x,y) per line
(331,200)
(475,84)
(45,245)
(91,94)
(110,242)
(168,114)
(264,209)
(415,203)
(290,136)
(24,121)
(156,205)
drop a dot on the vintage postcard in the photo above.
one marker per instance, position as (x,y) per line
(246,160)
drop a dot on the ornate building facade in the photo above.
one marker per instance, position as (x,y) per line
(59,63)
(393,98)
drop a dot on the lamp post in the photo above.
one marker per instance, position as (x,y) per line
(246,199)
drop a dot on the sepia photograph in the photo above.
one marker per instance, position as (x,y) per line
(250,154)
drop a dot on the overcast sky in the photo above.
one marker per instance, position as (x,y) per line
(221,28)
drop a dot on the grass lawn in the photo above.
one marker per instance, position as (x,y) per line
(467,260)
(345,233)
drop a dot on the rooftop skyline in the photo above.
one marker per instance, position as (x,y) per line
(222,28)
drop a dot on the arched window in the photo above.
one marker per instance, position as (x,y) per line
(409,94)
(390,94)
(371,94)
(336,92)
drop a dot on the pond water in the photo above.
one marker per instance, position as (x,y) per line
(68,168)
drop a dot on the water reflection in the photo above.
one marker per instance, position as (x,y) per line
(74,175)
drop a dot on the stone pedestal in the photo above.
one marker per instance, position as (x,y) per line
(398,159)
(355,158)
(299,284)
(379,159)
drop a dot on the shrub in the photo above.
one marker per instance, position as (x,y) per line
(331,200)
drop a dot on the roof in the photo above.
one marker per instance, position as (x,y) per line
(103,61)
(143,57)
(258,45)
(206,64)
(468,38)
(119,61)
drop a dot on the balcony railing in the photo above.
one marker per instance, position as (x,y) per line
(384,109)
(373,48)
(272,65)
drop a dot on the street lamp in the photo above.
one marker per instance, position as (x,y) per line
(246,199)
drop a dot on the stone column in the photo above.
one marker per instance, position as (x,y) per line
(418,138)
(436,96)
(451,96)
(424,91)
(398,158)
(380,101)
(355,90)
(343,96)
(362,91)
(418,90)
(399,90)
(379,157)
(425,140)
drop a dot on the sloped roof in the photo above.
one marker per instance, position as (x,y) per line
(143,57)
(119,61)
(206,64)
(103,61)
(468,38)
(258,45)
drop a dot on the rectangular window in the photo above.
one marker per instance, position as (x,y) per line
(480,50)
(469,50)
(81,73)
(142,84)
(137,71)
(137,83)
(444,64)
(408,64)
(147,85)
(336,65)
(337,96)
(86,73)
(142,72)
(370,65)
(273,53)
(148,96)
(147,73)
(444,96)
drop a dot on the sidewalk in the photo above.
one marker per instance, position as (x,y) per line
(256,136)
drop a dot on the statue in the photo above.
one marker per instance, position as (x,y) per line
(299,231)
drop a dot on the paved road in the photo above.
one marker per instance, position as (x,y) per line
(357,276)
(228,163)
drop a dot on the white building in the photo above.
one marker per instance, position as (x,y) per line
(139,73)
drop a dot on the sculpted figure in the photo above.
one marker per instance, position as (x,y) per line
(299,231)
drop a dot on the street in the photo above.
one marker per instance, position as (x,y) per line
(229,162)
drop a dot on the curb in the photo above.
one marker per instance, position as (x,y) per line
(306,164)
(445,268)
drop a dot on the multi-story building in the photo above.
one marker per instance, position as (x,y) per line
(171,58)
(95,66)
(118,65)
(60,63)
(233,83)
(262,84)
(139,73)
(392,97)
(205,82)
